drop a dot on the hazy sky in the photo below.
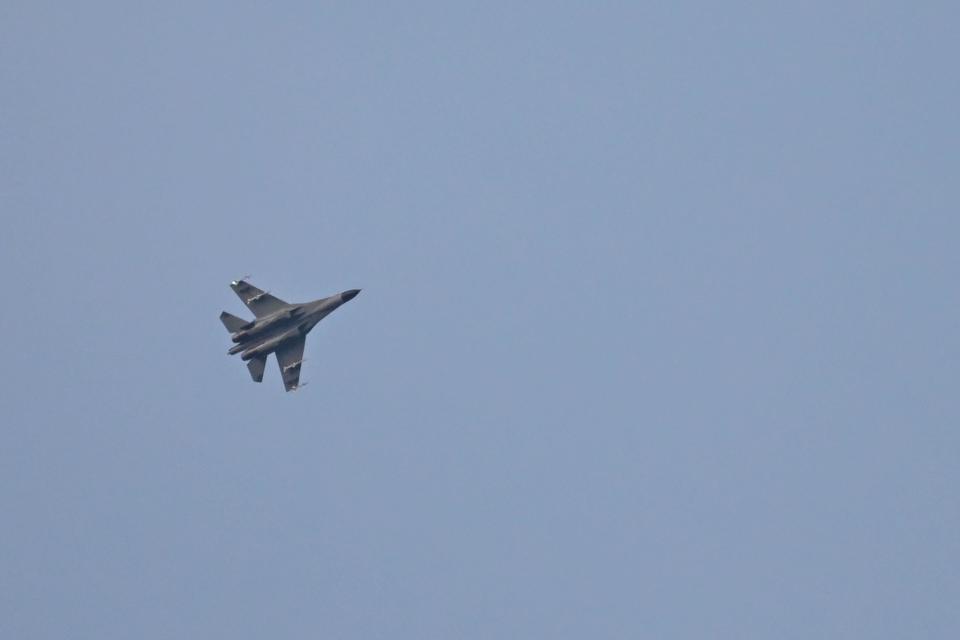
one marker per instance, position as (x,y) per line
(658,335)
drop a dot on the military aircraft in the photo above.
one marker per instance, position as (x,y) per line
(280,327)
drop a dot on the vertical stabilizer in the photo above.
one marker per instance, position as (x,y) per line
(256,366)
(232,322)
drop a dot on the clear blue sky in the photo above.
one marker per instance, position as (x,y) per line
(658,335)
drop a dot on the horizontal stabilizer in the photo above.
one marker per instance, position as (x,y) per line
(233,323)
(256,368)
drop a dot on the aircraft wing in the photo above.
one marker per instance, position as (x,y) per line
(259,302)
(290,358)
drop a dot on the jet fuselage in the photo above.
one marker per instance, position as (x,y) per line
(264,335)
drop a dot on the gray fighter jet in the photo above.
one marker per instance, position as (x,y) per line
(280,327)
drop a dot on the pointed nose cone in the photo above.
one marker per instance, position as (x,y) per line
(347,296)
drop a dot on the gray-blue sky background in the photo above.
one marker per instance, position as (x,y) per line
(658,335)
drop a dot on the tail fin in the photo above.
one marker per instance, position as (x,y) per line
(256,368)
(232,322)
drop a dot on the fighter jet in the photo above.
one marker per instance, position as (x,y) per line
(280,327)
